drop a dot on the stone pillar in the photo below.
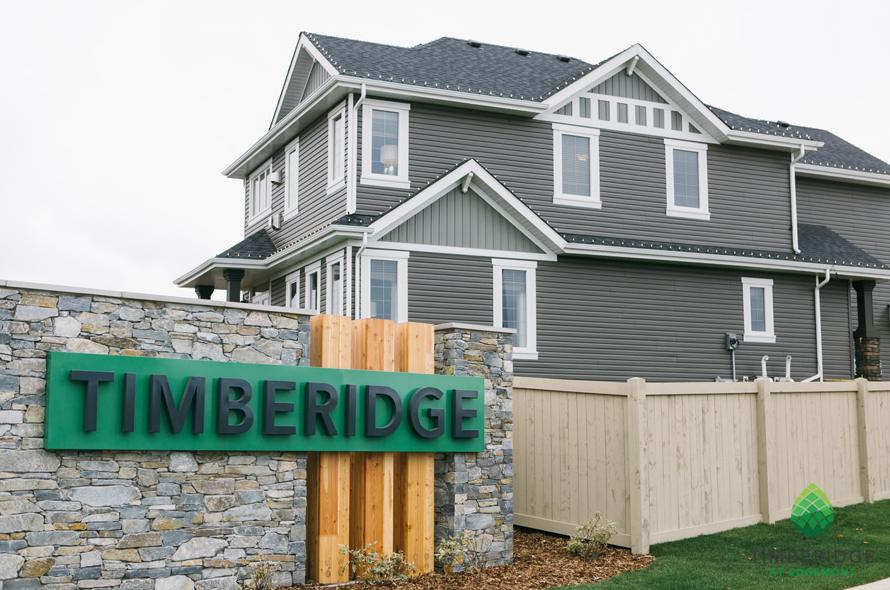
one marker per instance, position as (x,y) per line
(233,278)
(474,491)
(867,337)
(204,291)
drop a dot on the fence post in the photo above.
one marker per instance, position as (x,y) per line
(766,451)
(638,465)
(866,478)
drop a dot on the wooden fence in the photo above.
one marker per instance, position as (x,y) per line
(668,461)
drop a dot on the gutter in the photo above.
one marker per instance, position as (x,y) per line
(795,158)
(351,189)
(818,305)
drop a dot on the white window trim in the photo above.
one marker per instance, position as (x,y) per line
(330,261)
(311,269)
(768,336)
(252,215)
(529,352)
(560,198)
(336,117)
(292,279)
(291,183)
(401,258)
(368,177)
(702,211)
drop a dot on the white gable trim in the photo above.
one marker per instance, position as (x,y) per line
(312,50)
(491,191)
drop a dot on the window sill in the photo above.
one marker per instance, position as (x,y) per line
(761,338)
(689,214)
(336,186)
(577,201)
(389,182)
(525,355)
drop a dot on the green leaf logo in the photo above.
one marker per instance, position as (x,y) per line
(812,513)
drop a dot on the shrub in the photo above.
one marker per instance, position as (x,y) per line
(260,574)
(464,549)
(591,539)
(370,566)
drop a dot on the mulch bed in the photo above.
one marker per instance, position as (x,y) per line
(540,560)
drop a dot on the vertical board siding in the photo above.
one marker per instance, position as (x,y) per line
(749,190)
(450,289)
(463,220)
(317,76)
(628,87)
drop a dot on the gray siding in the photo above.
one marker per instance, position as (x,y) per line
(464,220)
(278,294)
(628,87)
(317,76)
(749,194)
(450,289)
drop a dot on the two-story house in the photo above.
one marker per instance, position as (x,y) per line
(620,225)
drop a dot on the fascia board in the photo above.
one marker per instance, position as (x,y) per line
(843,174)
(790,144)
(212,263)
(726,261)
(312,50)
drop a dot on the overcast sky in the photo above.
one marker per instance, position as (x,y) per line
(116,118)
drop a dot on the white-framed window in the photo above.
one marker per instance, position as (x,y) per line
(292,289)
(336,149)
(312,287)
(335,277)
(292,178)
(687,179)
(385,143)
(576,161)
(384,285)
(515,304)
(757,297)
(260,190)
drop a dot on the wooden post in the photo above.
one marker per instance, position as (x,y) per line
(327,473)
(415,472)
(371,501)
(638,466)
(766,451)
(866,477)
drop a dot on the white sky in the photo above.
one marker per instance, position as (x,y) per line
(116,118)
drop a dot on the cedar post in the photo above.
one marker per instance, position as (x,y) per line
(415,472)
(327,501)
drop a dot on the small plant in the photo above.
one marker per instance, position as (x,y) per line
(370,566)
(591,539)
(464,549)
(260,573)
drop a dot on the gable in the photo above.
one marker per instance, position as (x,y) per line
(462,220)
(625,86)
(309,70)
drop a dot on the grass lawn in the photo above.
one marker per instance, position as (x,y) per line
(725,560)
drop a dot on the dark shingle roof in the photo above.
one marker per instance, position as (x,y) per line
(822,243)
(256,246)
(453,64)
(836,153)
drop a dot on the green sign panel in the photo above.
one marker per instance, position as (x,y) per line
(101,402)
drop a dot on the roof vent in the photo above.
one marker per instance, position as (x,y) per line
(522,52)
(783,124)
(472,43)
(564,58)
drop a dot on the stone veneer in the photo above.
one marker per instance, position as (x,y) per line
(474,491)
(140,520)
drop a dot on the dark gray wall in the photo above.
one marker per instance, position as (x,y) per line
(749,190)
(450,289)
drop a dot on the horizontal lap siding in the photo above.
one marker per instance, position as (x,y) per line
(449,289)
(611,320)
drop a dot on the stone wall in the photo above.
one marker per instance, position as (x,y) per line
(474,491)
(140,520)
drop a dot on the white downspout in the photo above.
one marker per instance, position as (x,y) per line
(358,277)
(819,285)
(353,156)
(795,158)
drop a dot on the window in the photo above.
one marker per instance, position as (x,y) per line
(292,290)
(291,178)
(313,286)
(757,296)
(515,304)
(336,151)
(576,166)
(687,179)
(260,193)
(385,143)
(334,299)
(384,285)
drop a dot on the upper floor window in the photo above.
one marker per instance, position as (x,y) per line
(687,179)
(757,298)
(260,190)
(291,178)
(576,166)
(336,149)
(515,304)
(385,143)
(385,285)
